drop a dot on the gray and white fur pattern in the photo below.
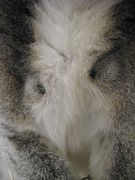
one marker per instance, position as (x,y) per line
(67,89)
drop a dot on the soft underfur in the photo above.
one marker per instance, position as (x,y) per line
(67,89)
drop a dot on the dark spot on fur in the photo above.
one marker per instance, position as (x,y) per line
(41,89)
(93,73)
(86,178)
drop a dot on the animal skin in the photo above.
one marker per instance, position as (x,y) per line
(67,89)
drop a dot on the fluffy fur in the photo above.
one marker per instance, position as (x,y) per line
(67,88)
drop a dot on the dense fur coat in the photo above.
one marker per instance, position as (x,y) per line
(67,89)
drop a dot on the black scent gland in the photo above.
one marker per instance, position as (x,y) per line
(41,89)
(93,74)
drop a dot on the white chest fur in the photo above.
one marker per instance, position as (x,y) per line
(73,110)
